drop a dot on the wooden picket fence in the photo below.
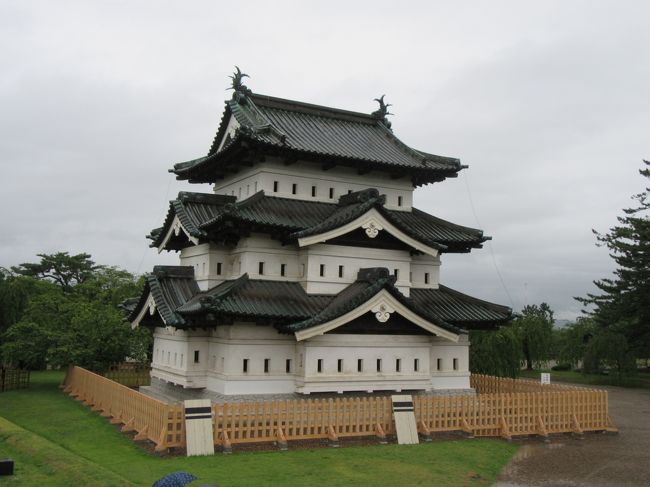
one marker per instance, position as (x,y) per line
(540,410)
(130,374)
(13,379)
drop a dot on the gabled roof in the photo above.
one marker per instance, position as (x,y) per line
(298,130)
(291,219)
(262,299)
(190,209)
(369,282)
(458,308)
(169,287)
(180,303)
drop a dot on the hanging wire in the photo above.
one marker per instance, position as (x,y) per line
(489,242)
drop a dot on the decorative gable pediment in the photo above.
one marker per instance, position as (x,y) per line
(372,222)
(383,305)
(175,229)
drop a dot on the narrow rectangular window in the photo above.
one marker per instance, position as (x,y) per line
(196,356)
(349,191)
(331,193)
(340,271)
(396,273)
(267,365)
(223,364)
(416,365)
(339,365)
(439,364)
(218,268)
(378,365)
(203,268)
(283,270)
(426,278)
(300,363)
(245,366)
(319,365)
(360,365)
(175,357)
(399,201)
(239,197)
(287,366)
(276,186)
(398,365)
(248,190)
(261,268)
(256,186)
(322,270)
(182,359)
(294,188)
(455,364)
(313,191)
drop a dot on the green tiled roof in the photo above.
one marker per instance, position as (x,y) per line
(458,308)
(290,308)
(257,298)
(312,132)
(170,287)
(369,282)
(292,219)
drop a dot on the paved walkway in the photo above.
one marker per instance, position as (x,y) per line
(598,460)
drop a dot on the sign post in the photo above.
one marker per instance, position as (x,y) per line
(198,427)
(405,426)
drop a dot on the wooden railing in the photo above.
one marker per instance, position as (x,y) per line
(489,384)
(130,374)
(542,411)
(138,412)
(13,379)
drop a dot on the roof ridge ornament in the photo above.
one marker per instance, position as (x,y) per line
(383,112)
(240,89)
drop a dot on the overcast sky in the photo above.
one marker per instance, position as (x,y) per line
(547,102)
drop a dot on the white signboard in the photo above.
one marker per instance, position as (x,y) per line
(198,427)
(546,378)
(405,426)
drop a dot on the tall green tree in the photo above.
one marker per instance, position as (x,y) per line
(534,326)
(623,303)
(61,268)
(71,315)
(495,352)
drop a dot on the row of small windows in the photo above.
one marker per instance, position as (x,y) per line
(241,191)
(360,365)
(314,191)
(165,357)
(321,271)
(288,365)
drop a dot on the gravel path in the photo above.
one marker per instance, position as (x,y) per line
(599,459)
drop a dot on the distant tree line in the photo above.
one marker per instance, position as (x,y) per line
(65,310)
(614,331)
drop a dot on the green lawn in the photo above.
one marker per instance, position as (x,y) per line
(56,441)
(642,379)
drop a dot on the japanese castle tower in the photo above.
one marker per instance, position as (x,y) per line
(306,268)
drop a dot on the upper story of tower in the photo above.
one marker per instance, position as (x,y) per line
(297,150)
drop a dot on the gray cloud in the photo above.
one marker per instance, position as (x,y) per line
(546,102)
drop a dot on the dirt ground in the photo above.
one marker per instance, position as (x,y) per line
(597,460)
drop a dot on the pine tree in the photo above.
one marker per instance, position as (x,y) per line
(623,306)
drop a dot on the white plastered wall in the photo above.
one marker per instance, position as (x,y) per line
(304,265)
(305,176)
